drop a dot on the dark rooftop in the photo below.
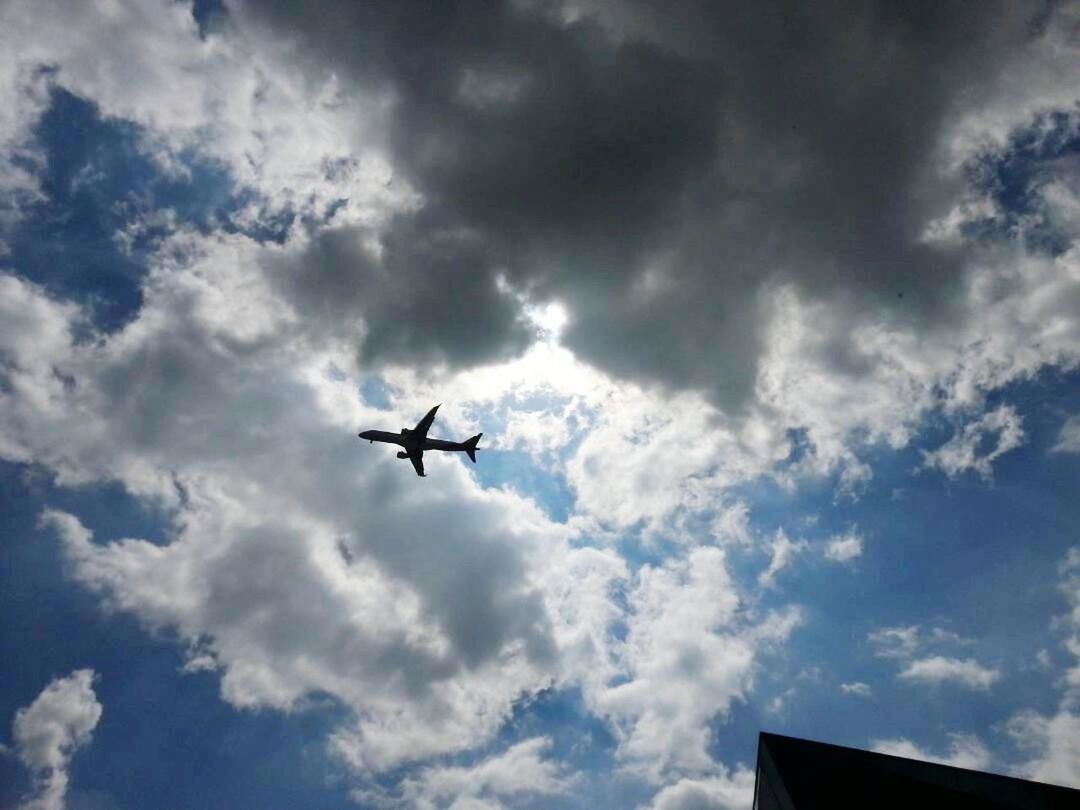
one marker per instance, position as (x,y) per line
(796,774)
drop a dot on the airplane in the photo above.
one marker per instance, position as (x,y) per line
(415,442)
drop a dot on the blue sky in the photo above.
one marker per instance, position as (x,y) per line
(781,432)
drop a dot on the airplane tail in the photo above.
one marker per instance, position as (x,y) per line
(470,446)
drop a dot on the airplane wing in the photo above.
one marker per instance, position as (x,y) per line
(424,424)
(417,460)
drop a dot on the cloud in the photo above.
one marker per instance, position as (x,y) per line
(430,626)
(1052,741)
(962,452)
(280,575)
(844,548)
(521,770)
(635,465)
(895,642)
(687,656)
(1031,85)
(1069,437)
(731,525)
(778,703)
(730,791)
(20,155)
(283,615)
(230,96)
(422,230)
(908,645)
(538,432)
(783,553)
(939,669)
(50,730)
(898,377)
(296,149)
(626,232)
(709,239)
(426,618)
(947,637)
(856,688)
(583,591)
(965,751)
(904,641)
(427,295)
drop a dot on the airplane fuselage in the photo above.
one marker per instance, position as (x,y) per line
(384,436)
(407,440)
(414,442)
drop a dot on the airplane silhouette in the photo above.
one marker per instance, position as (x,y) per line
(415,442)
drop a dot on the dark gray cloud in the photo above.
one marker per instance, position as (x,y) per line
(430,296)
(655,166)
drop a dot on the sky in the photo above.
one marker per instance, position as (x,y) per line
(769,314)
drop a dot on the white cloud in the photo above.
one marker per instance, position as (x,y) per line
(731,525)
(965,751)
(424,670)
(20,157)
(687,657)
(1053,741)
(903,642)
(962,452)
(634,464)
(226,414)
(1069,437)
(581,590)
(939,669)
(947,637)
(902,375)
(620,476)
(538,432)
(50,730)
(521,770)
(856,688)
(1036,81)
(784,552)
(780,701)
(1042,658)
(650,455)
(730,791)
(895,642)
(218,402)
(844,548)
(299,138)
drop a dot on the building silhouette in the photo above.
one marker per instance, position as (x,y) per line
(795,774)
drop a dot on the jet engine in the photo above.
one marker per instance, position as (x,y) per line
(402,455)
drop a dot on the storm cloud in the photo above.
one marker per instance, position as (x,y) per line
(660,169)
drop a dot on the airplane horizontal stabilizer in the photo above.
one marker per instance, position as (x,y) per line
(470,446)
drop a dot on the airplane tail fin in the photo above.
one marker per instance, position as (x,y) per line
(470,446)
